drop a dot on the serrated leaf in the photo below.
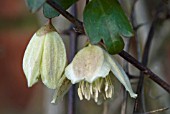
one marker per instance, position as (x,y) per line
(105,19)
(34,5)
(50,12)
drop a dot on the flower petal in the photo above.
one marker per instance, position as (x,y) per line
(63,86)
(120,74)
(105,69)
(32,59)
(103,72)
(53,59)
(88,64)
(69,72)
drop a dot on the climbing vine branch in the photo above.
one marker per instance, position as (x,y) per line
(80,29)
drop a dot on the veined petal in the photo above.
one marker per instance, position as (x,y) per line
(120,74)
(105,69)
(103,72)
(63,86)
(53,59)
(32,59)
(69,72)
(88,64)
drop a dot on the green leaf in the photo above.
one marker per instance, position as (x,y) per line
(105,19)
(34,5)
(50,12)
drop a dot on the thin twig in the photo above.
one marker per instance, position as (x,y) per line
(123,54)
(139,101)
(79,25)
(145,70)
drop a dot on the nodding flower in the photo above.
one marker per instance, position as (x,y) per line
(45,57)
(90,68)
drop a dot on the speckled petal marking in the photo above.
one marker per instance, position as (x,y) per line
(53,59)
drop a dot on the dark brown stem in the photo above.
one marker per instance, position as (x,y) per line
(79,25)
(123,54)
(139,101)
(145,70)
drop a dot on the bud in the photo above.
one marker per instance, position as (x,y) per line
(45,57)
(90,67)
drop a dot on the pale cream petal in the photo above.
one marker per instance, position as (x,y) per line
(53,60)
(32,59)
(87,65)
(69,73)
(63,86)
(105,69)
(120,74)
(102,72)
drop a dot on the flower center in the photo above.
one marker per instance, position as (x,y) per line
(100,89)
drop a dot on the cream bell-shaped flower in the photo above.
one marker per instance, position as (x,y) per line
(90,67)
(45,57)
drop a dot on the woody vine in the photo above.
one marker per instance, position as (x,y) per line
(94,65)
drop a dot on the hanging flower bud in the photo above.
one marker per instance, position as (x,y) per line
(90,67)
(45,57)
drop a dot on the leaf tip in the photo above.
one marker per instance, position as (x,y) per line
(116,46)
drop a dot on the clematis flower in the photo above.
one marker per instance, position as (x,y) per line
(90,68)
(45,57)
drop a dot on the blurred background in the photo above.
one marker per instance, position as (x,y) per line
(17,26)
